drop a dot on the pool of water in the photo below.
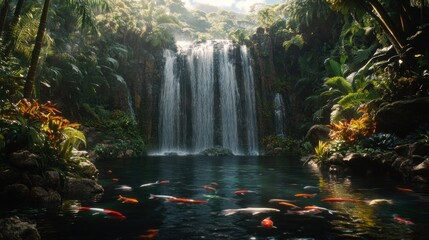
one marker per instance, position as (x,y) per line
(266,177)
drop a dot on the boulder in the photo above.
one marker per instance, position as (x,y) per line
(422,168)
(87,169)
(53,179)
(81,188)
(217,151)
(13,228)
(318,133)
(8,176)
(16,193)
(419,148)
(45,197)
(402,117)
(24,160)
(402,150)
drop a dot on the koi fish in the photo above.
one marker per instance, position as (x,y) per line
(185,200)
(215,197)
(305,212)
(341,200)
(210,188)
(150,233)
(251,210)
(108,212)
(320,208)
(267,223)
(379,201)
(401,220)
(243,192)
(115,179)
(124,188)
(288,204)
(311,187)
(127,200)
(109,171)
(405,189)
(305,195)
(155,183)
(214,183)
(153,196)
(280,200)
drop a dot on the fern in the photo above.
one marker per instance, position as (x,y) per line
(340,84)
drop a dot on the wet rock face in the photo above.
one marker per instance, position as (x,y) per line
(318,133)
(14,228)
(81,188)
(401,117)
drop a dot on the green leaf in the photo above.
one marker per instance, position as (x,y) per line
(339,83)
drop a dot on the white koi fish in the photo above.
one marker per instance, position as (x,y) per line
(124,188)
(320,208)
(253,211)
(153,196)
(379,201)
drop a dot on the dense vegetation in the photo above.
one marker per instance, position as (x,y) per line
(339,62)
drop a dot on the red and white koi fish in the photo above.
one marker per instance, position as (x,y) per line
(305,195)
(401,220)
(404,189)
(379,201)
(149,234)
(108,212)
(127,200)
(185,200)
(153,196)
(287,204)
(335,199)
(267,223)
(243,192)
(124,188)
(155,183)
(210,188)
(320,208)
(251,210)
(305,212)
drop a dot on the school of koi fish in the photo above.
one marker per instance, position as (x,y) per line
(288,206)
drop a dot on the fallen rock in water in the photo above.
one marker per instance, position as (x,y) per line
(13,228)
(217,151)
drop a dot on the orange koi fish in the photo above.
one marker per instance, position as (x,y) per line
(150,233)
(115,179)
(185,200)
(108,212)
(401,220)
(243,192)
(163,181)
(341,200)
(267,223)
(210,188)
(305,195)
(404,189)
(288,204)
(127,200)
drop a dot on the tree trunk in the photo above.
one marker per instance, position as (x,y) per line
(3,13)
(9,38)
(397,34)
(31,76)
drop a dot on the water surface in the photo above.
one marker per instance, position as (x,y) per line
(268,177)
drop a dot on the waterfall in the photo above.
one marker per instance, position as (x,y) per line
(169,106)
(250,107)
(279,114)
(200,102)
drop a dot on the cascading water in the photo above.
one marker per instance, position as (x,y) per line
(200,102)
(250,107)
(279,114)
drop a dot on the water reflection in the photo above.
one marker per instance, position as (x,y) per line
(268,178)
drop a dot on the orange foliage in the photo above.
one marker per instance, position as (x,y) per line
(355,129)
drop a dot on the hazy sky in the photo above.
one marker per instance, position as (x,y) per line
(235,5)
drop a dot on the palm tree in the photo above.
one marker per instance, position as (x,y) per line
(83,8)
